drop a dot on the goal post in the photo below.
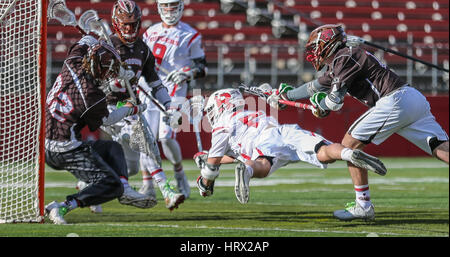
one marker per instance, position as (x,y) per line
(23,35)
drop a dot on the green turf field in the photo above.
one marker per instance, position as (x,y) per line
(412,200)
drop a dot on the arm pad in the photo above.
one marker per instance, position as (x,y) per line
(305,91)
(116,115)
(199,67)
(162,95)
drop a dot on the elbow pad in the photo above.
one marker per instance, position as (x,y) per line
(333,102)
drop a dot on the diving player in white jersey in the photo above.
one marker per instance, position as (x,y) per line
(179,59)
(262,145)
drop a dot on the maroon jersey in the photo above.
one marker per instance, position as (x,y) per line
(140,59)
(74,101)
(366,78)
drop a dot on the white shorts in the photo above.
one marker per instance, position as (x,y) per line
(405,112)
(288,144)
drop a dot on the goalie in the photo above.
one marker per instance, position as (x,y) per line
(77,100)
(262,145)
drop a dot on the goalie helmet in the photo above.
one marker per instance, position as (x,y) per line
(102,62)
(170,11)
(126,20)
(323,42)
(222,103)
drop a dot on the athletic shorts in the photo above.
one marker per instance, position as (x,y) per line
(405,112)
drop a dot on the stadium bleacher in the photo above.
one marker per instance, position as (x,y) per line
(395,24)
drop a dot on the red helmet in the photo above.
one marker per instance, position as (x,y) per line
(323,42)
(126,20)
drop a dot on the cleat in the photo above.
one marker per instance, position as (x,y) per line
(94,208)
(131,197)
(241,185)
(354,211)
(148,190)
(183,184)
(55,212)
(204,190)
(171,197)
(369,162)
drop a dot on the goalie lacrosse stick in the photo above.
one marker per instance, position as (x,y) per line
(356,41)
(265,94)
(57,9)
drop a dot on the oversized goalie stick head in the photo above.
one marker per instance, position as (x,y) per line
(323,42)
(223,103)
(170,11)
(102,62)
(126,20)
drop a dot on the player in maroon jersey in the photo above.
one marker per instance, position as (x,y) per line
(76,100)
(395,106)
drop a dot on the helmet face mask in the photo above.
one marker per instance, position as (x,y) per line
(126,20)
(170,11)
(322,43)
(103,62)
(223,102)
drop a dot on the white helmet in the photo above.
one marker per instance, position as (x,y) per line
(170,10)
(223,102)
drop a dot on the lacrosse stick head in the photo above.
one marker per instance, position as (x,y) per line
(90,22)
(144,142)
(57,9)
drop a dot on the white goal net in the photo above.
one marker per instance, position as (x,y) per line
(22,88)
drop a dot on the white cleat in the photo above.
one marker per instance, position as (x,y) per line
(171,197)
(131,197)
(369,162)
(56,212)
(94,208)
(241,185)
(355,211)
(183,184)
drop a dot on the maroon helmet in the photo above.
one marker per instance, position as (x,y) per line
(323,42)
(126,20)
(103,61)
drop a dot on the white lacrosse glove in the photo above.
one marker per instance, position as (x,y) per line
(181,75)
(125,74)
(200,159)
(173,119)
(280,93)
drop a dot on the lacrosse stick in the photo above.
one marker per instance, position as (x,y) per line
(356,41)
(265,94)
(194,110)
(57,9)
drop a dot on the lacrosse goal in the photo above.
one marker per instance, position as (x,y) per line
(22,98)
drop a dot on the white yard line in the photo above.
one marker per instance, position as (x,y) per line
(259,229)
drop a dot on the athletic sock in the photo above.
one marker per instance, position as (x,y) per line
(178,172)
(346,154)
(124,181)
(160,178)
(249,170)
(147,180)
(363,196)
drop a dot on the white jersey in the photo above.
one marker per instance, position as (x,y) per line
(173,49)
(248,135)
